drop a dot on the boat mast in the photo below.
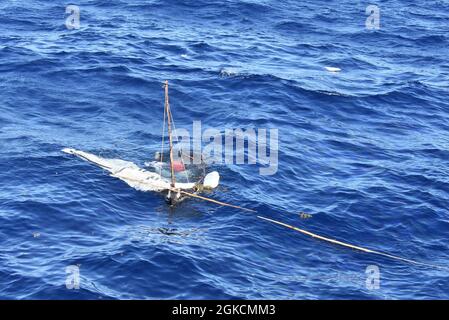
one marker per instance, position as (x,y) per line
(169,117)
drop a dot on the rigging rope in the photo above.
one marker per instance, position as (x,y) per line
(162,144)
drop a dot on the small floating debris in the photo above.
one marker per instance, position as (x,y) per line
(304,215)
(229,72)
(332,69)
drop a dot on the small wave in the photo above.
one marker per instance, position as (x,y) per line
(439,40)
(202,47)
(292,26)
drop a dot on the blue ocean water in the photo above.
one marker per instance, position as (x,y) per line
(364,151)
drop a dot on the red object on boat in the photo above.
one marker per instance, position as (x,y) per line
(178,166)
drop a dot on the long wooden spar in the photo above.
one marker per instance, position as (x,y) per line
(214,201)
(348,245)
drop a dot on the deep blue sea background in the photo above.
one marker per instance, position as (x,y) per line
(364,151)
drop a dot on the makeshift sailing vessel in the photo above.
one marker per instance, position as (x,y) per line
(166,178)
(194,178)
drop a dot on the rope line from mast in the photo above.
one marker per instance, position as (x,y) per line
(162,143)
